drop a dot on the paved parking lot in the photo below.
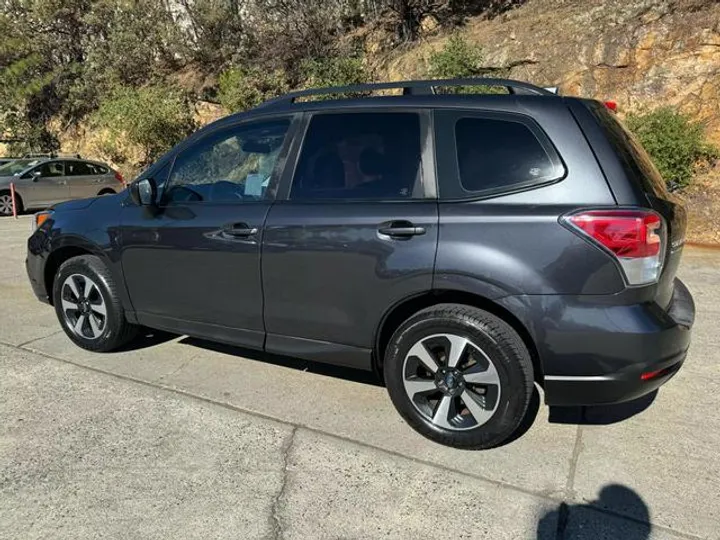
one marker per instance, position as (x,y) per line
(180,438)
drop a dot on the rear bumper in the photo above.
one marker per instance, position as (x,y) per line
(614,388)
(596,353)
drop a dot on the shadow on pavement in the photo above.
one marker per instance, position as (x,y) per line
(348,374)
(601,415)
(147,337)
(584,521)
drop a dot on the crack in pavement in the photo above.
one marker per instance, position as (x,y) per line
(176,370)
(568,497)
(33,340)
(275,509)
(577,448)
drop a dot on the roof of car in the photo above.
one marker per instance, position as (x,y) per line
(414,94)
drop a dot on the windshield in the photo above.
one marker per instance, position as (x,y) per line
(17,166)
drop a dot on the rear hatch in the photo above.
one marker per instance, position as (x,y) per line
(648,189)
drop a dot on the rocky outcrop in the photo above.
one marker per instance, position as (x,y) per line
(640,53)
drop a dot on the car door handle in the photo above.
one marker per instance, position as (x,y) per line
(400,229)
(239,230)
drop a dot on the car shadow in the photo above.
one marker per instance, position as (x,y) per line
(601,415)
(147,337)
(340,372)
(588,520)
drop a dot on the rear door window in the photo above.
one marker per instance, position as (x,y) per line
(482,154)
(360,156)
(78,168)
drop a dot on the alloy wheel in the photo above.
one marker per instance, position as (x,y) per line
(83,306)
(5,205)
(451,382)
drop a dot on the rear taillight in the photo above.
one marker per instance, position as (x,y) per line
(119,177)
(637,239)
(612,105)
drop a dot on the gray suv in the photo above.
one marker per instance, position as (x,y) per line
(42,182)
(464,247)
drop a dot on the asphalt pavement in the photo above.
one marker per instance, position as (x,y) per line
(177,437)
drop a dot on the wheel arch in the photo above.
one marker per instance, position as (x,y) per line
(107,191)
(56,258)
(74,247)
(402,310)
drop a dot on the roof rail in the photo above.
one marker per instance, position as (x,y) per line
(52,155)
(424,87)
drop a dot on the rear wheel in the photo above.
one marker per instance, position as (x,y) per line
(459,376)
(88,307)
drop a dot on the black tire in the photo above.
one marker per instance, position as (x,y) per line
(6,195)
(107,191)
(115,330)
(487,333)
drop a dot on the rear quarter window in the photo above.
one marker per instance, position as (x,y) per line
(494,153)
(635,161)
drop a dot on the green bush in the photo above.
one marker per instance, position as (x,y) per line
(153,118)
(675,143)
(333,71)
(459,59)
(240,89)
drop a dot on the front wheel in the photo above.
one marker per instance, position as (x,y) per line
(88,306)
(6,205)
(459,375)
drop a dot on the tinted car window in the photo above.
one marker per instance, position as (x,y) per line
(635,160)
(232,165)
(496,154)
(78,168)
(357,156)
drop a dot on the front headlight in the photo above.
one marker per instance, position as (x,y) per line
(41,217)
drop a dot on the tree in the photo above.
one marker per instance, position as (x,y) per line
(153,119)
(242,88)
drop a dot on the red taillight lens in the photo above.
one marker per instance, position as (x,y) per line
(612,105)
(119,177)
(635,237)
(625,233)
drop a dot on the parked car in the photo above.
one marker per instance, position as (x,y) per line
(6,160)
(41,182)
(463,246)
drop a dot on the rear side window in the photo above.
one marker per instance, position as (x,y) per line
(360,156)
(79,168)
(635,160)
(493,153)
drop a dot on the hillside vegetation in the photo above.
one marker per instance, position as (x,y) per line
(123,80)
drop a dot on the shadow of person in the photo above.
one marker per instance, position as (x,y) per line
(589,522)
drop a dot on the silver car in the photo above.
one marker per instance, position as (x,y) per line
(42,182)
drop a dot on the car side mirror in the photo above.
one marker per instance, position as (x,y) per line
(36,175)
(144,192)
